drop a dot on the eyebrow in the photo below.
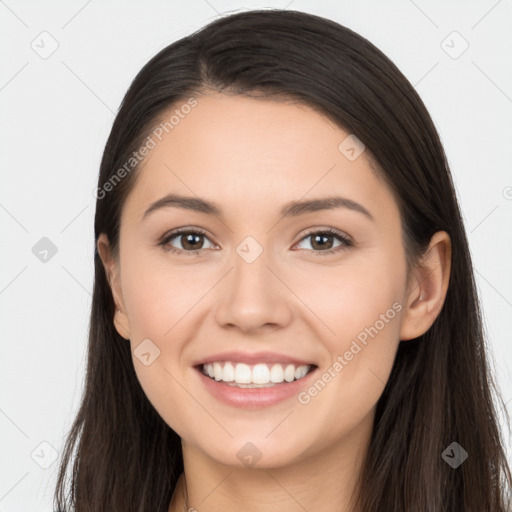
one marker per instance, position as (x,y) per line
(291,209)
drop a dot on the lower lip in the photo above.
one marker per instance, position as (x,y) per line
(254,398)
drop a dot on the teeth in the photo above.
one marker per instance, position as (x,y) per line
(217,371)
(289,373)
(243,373)
(228,374)
(259,375)
(276,373)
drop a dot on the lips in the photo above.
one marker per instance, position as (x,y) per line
(241,379)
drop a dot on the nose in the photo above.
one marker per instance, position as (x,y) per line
(254,295)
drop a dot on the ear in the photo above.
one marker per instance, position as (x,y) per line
(111,266)
(427,287)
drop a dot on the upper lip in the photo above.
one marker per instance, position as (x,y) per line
(252,358)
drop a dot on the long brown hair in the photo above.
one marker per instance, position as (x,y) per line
(441,390)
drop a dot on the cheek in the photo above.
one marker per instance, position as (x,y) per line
(160,294)
(360,304)
(157,302)
(161,302)
(345,299)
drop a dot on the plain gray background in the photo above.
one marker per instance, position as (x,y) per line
(57,110)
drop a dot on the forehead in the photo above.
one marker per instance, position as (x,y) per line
(241,152)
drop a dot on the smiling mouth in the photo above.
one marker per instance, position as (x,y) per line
(259,375)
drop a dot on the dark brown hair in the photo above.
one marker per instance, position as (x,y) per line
(441,390)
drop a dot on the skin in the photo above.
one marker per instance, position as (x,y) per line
(251,156)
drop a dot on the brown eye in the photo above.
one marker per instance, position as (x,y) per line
(190,240)
(322,242)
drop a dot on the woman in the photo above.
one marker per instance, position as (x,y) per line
(284,313)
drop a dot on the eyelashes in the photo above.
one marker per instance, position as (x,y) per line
(318,234)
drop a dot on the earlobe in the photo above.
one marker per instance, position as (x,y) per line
(427,288)
(111,270)
(121,324)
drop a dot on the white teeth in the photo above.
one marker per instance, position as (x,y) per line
(229,373)
(289,373)
(242,373)
(276,373)
(300,372)
(217,371)
(260,374)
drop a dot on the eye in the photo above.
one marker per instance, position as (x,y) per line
(191,240)
(321,240)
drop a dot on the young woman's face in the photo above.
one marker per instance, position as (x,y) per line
(262,280)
